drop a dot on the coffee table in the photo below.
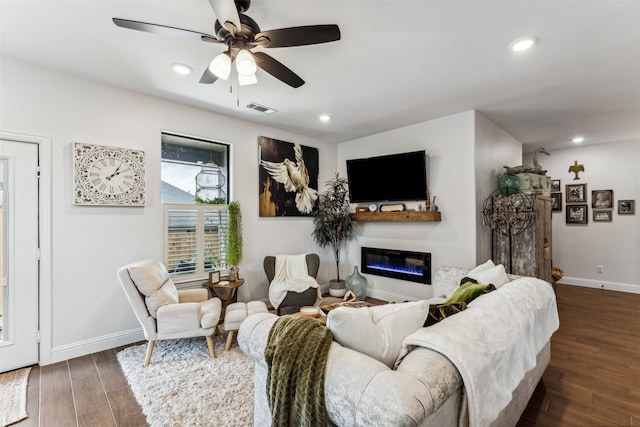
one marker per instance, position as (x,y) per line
(321,318)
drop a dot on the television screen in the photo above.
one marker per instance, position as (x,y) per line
(391,178)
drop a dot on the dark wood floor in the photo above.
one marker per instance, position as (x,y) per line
(593,378)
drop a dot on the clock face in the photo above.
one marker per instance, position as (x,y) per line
(108,176)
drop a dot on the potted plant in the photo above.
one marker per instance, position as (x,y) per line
(234,240)
(332,224)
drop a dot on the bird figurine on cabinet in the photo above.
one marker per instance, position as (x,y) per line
(576,169)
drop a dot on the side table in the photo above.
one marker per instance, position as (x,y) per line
(231,295)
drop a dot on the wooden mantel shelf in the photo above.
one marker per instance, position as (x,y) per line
(405,216)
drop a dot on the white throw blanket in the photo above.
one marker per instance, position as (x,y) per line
(494,342)
(291,275)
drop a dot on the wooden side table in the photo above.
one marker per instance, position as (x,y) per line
(231,295)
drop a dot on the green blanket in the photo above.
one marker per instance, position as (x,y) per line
(296,355)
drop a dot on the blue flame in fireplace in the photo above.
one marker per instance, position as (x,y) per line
(404,270)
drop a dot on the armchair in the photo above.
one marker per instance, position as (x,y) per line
(295,299)
(163,311)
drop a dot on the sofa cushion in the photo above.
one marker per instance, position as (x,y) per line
(446,280)
(152,280)
(497,276)
(377,331)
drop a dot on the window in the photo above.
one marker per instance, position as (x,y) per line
(195,195)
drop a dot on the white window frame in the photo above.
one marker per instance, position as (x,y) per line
(200,240)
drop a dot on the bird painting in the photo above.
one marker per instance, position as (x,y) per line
(288,176)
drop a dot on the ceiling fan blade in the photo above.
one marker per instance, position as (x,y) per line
(227,13)
(208,77)
(299,36)
(163,29)
(277,69)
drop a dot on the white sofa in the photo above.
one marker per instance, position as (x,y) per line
(426,388)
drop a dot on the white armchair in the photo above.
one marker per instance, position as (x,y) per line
(163,311)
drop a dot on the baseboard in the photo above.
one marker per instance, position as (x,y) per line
(600,284)
(93,345)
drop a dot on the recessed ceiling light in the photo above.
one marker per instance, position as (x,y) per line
(324,117)
(523,43)
(183,69)
(577,139)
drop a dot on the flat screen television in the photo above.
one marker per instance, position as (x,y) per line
(390,178)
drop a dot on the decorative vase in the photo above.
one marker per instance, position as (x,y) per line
(337,288)
(234,273)
(357,283)
(508,185)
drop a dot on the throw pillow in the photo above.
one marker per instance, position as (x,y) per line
(482,267)
(377,331)
(438,312)
(152,280)
(469,291)
(446,280)
(497,276)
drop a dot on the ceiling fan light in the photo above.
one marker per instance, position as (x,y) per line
(247,80)
(221,66)
(245,64)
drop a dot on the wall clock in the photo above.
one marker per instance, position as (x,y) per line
(107,176)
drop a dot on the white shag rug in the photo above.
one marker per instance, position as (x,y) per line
(184,386)
(13,396)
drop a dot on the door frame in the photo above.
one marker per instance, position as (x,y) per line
(44,231)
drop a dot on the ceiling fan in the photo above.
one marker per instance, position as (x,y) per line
(239,33)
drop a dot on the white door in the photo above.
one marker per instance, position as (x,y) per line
(19,265)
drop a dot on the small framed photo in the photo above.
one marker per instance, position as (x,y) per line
(556,202)
(626,207)
(555,185)
(577,214)
(214,277)
(576,193)
(602,215)
(602,199)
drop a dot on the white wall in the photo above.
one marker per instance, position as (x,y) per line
(89,311)
(494,148)
(449,142)
(615,245)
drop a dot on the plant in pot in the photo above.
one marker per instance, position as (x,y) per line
(332,224)
(234,240)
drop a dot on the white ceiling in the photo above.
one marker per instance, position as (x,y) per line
(398,62)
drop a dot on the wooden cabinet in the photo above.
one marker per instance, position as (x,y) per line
(528,253)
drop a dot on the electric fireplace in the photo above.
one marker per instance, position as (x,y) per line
(397,264)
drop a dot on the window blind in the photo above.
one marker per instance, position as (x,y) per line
(195,239)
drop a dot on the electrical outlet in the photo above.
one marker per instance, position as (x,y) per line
(600,269)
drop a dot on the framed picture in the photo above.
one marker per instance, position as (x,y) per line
(602,199)
(214,277)
(556,202)
(577,214)
(626,207)
(555,185)
(602,215)
(576,193)
(288,178)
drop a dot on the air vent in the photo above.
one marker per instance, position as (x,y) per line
(261,108)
